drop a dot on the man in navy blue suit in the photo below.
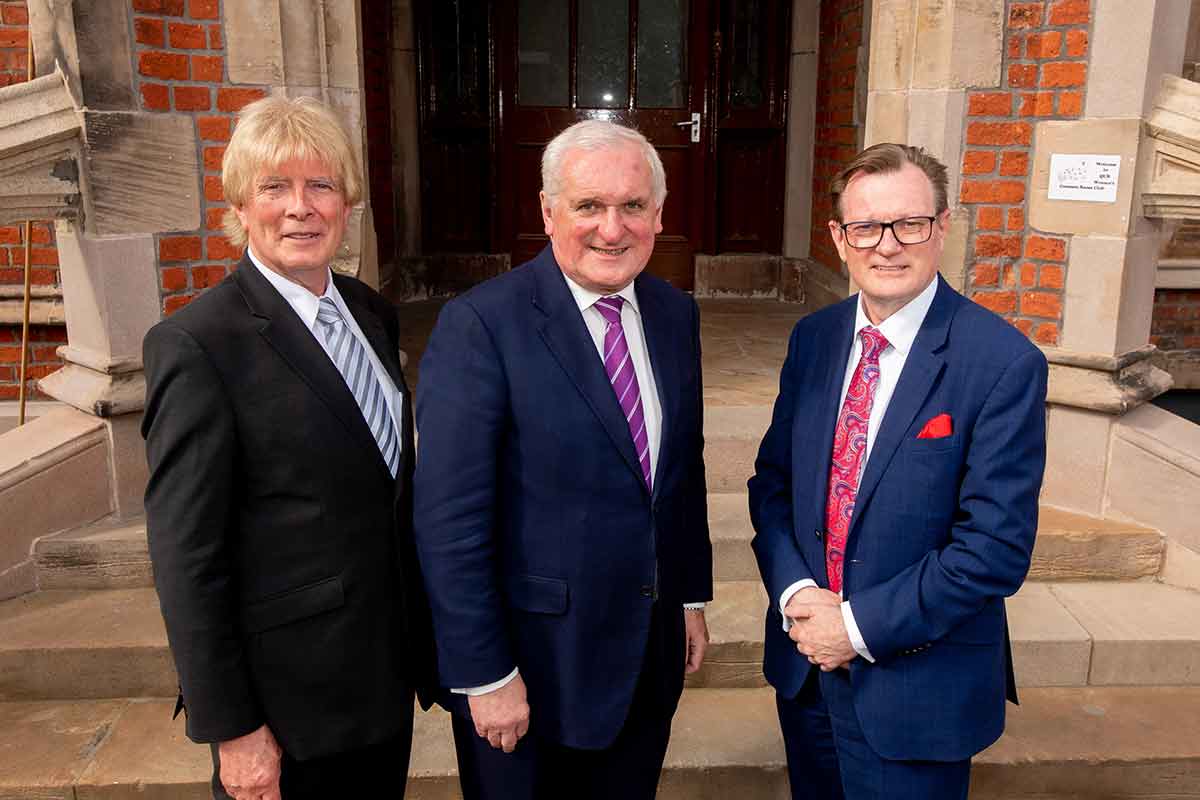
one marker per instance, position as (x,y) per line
(560,497)
(895,502)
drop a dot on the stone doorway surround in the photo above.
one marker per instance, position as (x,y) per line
(77,147)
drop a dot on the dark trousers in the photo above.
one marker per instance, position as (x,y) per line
(539,769)
(829,759)
(355,773)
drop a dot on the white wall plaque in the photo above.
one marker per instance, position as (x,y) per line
(1084,177)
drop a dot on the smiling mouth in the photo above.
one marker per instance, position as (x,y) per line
(889,267)
(302,236)
(610,251)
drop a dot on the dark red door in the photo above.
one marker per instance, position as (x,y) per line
(639,62)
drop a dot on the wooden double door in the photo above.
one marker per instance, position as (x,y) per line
(704,80)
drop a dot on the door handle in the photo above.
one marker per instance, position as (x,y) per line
(694,124)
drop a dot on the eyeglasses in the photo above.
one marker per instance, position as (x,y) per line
(867,234)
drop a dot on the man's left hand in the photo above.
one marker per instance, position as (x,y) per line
(820,633)
(696,633)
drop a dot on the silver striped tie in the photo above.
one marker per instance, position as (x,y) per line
(351,359)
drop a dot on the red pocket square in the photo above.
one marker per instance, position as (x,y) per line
(937,428)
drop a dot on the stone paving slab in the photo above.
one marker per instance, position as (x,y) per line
(45,747)
(1142,633)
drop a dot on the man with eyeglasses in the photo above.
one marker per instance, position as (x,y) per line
(895,502)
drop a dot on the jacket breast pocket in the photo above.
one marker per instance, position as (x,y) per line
(297,604)
(537,594)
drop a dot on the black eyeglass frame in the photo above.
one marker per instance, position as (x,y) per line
(886,226)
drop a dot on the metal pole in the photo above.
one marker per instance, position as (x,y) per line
(28,259)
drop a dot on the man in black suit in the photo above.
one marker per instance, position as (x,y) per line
(279,434)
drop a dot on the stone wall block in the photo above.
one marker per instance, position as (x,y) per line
(893,26)
(105,66)
(802,113)
(954,254)
(935,122)
(111,287)
(142,173)
(1109,293)
(958,44)
(254,41)
(1077,450)
(1131,51)
(887,117)
(1120,137)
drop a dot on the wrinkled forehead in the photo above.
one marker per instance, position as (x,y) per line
(888,195)
(618,170)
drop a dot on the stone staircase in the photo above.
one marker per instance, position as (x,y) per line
(1108,660)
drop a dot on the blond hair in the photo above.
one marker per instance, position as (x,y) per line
(278,129)
(888,157)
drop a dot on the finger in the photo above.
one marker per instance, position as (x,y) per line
(508,741)
(480,731)
(494,739)
(522,728)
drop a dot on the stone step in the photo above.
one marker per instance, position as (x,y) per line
(84,644)
(1069,546)
(108,554)
(112,555)
(1064,634)
(111,643)
(1061,744)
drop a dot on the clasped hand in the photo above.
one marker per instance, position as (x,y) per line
(818,628)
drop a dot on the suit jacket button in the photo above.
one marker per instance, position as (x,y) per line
(647,591)
(817,534)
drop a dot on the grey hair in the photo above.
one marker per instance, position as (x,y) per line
(599,134)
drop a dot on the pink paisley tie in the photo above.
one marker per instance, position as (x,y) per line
(619,367)
(850,453)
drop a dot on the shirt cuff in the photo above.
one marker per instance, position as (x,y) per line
(475,691)
(856,639)
(787,595)
(694,606)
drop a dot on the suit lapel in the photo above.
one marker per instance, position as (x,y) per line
(836,351)
(664,353)
(566,335)
(297,346)
(921,369)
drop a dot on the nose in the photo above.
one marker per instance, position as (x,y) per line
(297,202)
(610,224)
(888,243)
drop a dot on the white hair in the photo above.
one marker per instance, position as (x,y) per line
(598,134)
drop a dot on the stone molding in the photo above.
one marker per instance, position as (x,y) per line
(1178,273)
(100,393)
(1171,187)
(1108,384)
(39,150)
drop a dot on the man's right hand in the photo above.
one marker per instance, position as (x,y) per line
(502,716)
(250,765)
(810,596)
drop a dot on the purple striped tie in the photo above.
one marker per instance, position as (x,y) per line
(619,367)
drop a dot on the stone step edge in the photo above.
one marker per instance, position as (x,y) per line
(137,747)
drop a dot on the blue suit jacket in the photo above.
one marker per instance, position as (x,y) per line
(543,548)
(942,531)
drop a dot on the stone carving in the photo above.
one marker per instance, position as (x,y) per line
(1172,176)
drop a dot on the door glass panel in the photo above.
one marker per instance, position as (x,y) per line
(747,53)
(460,54)
(662,53)
(543,41)
(603,57)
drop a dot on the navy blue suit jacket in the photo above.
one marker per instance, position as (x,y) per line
(544,549)
(942,531)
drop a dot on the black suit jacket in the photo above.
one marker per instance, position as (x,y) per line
(282,546)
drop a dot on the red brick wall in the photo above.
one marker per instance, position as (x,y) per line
(1176,324)
(14,49)
(836,134)
(179,66)
(1017,271)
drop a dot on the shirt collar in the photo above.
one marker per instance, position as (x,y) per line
(585,298)
(304,302)
(902,327)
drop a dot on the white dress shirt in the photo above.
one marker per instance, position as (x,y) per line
(305,304)
(900,330)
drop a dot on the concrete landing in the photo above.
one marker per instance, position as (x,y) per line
(1061,744)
